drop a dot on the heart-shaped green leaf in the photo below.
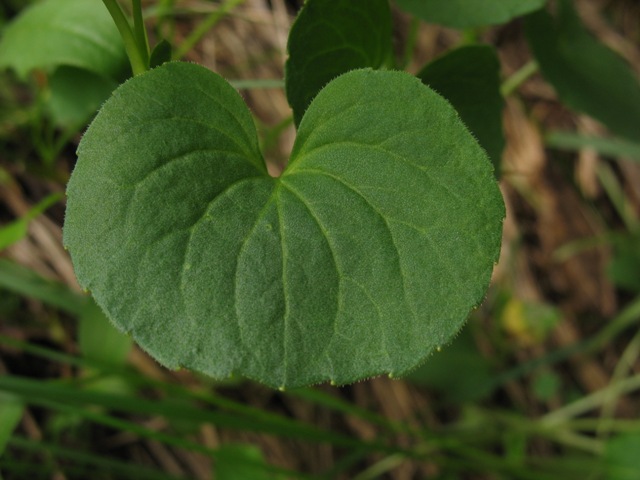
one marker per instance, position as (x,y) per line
(586,75)
(367,253)
(469,77)
(76,33)
(469,13)
(329,38)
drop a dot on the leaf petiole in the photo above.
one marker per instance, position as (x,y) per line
(139,31)
(134,52)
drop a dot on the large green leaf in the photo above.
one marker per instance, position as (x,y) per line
(586,75)
(469,77)
(469,13)
(367,253)
(77,33)
(331,37)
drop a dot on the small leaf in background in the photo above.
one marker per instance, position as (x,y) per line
(240,462)
(473,372)
(515,444)
(365,255)
(587,76)
(161,54)
(77,43)
(529,323)
(71,106)
(331,37)
(469,13)
(469,77)
(624,268)
(10,304)
(78,33)
(11,410)
(622,458)
(100,340)
(546,385)
(18,229)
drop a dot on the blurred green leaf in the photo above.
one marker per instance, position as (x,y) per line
(84,464)
(588,76)
(331,37)
(18,229)
(546,385)
(240,462)
(9,303)
(624,268)
(99,339)
(161,54)
(11,409)
(13,233)
(622,457)
(68,396)
(473,376)
(469,13)
(71,106)
(78,33)
(469,77)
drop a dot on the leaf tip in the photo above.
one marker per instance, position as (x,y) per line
(281,388)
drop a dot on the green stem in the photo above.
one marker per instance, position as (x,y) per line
(139,31)
(204,27)
(624,366)
(610,147)
(136,58)
(518,78)
(617,196)
(590,402)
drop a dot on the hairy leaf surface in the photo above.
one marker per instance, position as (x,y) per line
(76,33)
(469,13)
(469,77)
(331,37)
(586,75)
(368,252)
